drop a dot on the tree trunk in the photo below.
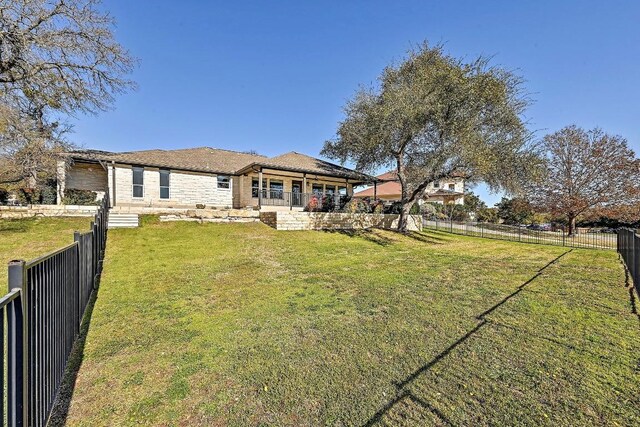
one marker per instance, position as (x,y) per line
(572,225)
(403,219)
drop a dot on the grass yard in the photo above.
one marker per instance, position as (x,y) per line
(238,324)
(31,237)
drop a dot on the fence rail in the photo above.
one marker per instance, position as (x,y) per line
(44,309)
(629,250)
(308,201)
(525,235)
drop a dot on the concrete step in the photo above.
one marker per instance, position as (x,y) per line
(122,220)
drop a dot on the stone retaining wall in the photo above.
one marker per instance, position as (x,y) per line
(212,215)
(8,212)
(334,221)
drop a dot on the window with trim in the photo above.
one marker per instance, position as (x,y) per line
(342,190)
(224,181)
(138,182)
(329,189)
(452,187)
(164,183)
(276,189)
(317,188)
(255,187)
(436,184)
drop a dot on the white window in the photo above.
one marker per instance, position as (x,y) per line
(138,182)
(436,184)
(223,181)
(452,187)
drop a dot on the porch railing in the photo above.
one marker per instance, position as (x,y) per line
(45,306)
(307,201)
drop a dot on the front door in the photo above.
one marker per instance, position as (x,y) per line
(296,193)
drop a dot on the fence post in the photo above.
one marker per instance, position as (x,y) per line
(80,266)
(563,236)
(18,348)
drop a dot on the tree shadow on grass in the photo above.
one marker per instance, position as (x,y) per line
(365,234)
(374,235)
(425,238)
(401,385)
(60,409)
(12,225)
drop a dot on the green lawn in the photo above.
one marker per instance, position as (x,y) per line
(29,238)
(238,324)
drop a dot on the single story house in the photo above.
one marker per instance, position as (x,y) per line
(186,178)
(388,188)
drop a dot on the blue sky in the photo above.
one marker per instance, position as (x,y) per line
(273,76)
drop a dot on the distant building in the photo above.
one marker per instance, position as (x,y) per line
(388,188)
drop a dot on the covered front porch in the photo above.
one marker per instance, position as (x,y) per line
(273,190)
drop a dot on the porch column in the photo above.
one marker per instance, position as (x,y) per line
(260,188)
(61,175)
(304,182)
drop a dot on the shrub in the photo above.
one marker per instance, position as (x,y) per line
(48,195)
(79,197)
(312,206)
(396,208)
(356,206)
(4,196)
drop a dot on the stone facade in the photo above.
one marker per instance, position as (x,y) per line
(87,176)
(334,221)
(186,189)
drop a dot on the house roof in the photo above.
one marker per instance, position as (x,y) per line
(206,159)
(298,162)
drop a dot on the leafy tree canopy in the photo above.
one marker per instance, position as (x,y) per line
(433,117)
(57,57)
(586,174)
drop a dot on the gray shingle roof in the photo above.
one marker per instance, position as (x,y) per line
(298,162)
(206,159)
(201,159)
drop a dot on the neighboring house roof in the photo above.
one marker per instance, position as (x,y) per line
(206,159)
(386,189)
(390,187)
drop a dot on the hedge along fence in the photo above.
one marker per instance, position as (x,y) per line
(44,310)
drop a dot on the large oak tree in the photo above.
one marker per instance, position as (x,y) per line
(433,117)
(57,58)
(587,172)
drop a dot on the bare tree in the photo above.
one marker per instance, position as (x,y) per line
(56,58)
(586,172)
(435,117)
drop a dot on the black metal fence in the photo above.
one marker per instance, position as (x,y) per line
(43,310)
(309,201)
(557,237)
(629,250)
